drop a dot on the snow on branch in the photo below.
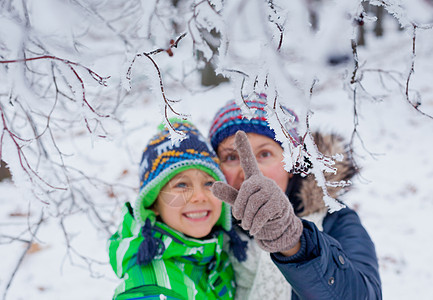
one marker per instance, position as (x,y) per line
(168,103)
(54,102)
(264,58)
(55,105)
(72,66)
(9,137)
(408,22)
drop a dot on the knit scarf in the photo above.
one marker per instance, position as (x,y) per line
(187,268)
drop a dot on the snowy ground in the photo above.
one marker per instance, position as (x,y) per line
(393,195)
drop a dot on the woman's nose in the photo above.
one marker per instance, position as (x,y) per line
(241,175)
(239,179)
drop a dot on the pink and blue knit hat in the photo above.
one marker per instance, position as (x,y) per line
(161,161)
(229,119)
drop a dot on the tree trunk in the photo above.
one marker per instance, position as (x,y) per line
(4,171)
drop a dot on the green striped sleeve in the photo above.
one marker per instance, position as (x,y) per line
(148,292)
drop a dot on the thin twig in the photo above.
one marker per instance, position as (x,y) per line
(167,102)
(25,164)
(98,78)
(355,59)
(415,104)
(20,260)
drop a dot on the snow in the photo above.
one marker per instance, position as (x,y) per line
(393,194)
(393,198)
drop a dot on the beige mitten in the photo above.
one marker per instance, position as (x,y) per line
(260,204)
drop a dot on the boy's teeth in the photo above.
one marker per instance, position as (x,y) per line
(197,215)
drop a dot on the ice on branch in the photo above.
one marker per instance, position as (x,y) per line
(317,169)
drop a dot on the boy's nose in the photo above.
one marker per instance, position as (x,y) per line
(199,194)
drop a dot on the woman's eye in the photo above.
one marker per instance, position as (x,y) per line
(231,157)
(264,154)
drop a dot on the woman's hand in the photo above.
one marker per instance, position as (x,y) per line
(261,206)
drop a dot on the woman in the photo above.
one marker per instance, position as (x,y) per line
(320,255)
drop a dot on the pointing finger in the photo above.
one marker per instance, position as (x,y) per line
(246,155)
(224,192)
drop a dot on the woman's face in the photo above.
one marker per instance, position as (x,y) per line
(187,204)
(269,156)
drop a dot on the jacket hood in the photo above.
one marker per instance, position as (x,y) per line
(124,245)
(304,192)
(185,265)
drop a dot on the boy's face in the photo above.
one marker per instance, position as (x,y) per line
(187,204)
(269,156)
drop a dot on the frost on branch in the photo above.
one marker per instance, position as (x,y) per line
(31,146)
(158,87)
(267,48)
(395,82)
(63,94)
(56,102)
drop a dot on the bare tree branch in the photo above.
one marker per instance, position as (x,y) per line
(23,255)
(167,102)
(414,104)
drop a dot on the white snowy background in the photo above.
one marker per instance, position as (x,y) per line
(393,194)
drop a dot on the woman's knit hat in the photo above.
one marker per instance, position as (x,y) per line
(229,120)
(162,160)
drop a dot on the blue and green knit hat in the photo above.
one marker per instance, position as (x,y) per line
(229,119)
(161,161)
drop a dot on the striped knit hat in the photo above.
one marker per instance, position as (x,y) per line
(229,120)
(161,161)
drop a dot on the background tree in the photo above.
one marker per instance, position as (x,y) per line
(74,72)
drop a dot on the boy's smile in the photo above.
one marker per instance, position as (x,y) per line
(197,216)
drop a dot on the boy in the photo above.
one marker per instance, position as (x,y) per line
(169,245)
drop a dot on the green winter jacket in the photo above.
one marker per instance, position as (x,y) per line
(188,268)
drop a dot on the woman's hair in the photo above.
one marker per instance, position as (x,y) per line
(229,119)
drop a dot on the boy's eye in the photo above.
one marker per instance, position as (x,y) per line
(209,184)
(180,185)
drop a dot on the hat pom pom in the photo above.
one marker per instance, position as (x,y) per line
(150,247)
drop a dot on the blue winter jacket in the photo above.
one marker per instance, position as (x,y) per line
(338,263)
